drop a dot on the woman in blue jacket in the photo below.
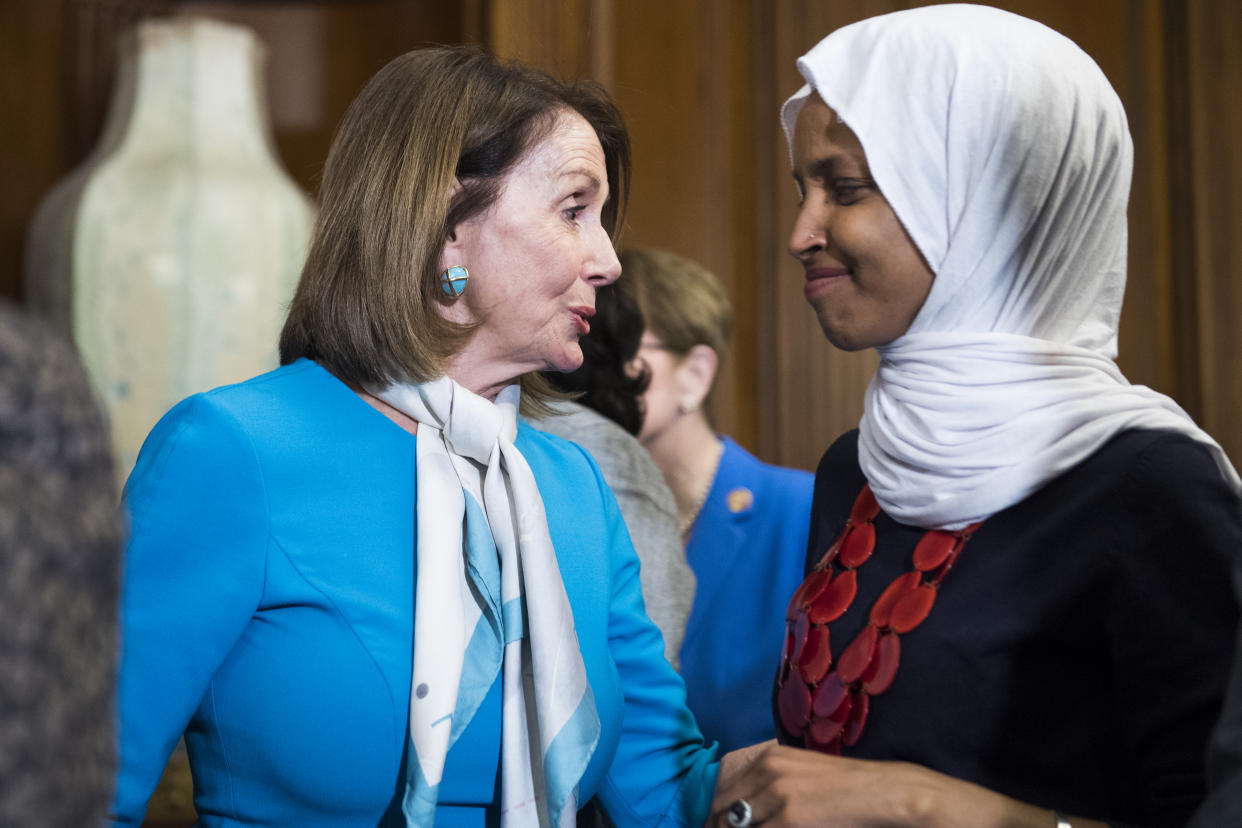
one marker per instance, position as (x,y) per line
(361,586)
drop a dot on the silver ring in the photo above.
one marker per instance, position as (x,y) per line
(740,814)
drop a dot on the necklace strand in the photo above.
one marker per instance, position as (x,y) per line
(827,706)
(684,525)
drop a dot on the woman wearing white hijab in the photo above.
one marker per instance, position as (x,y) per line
(1018,565)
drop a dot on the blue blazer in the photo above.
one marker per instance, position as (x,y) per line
(747,550)
(268,614)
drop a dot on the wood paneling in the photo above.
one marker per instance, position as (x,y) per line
(1214,30)
(682,78)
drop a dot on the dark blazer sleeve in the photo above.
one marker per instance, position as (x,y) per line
(1224,803)
(1171,613)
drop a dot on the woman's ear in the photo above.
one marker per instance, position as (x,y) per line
(696,373)
(453,253)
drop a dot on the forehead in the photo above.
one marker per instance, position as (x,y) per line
(819,136)
(570,148)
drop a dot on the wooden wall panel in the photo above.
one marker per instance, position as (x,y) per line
(1214,30)
(682,72)
(31,76)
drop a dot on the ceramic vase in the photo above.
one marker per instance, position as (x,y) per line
(171,254)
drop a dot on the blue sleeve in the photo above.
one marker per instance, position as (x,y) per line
(193,577)
(662,773)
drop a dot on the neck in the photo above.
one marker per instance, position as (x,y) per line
(484,377)
(687,454)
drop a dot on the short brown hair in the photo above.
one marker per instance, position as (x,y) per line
(682,302)
(365,307)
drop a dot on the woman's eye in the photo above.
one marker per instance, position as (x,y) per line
(574,212)
(846,191)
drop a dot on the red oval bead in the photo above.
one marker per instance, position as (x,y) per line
(883,606)
(933,549)
(794,703)
(857,721)
(801,627)
(816,656)
(825,731)
(865,507)
(835,599)
(829,697)
(912,608)
(857,545)
(832,747)
(857,655)
(883,668)
(807,592)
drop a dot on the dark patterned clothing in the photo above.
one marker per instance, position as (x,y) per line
(59,555)
(1077,653)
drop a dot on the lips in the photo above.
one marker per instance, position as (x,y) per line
(822,279)
(582,316)
(813,273)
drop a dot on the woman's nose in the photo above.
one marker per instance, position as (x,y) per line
(809,230)
(604,267)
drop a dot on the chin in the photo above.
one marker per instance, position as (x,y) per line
(566,363)
(838,338)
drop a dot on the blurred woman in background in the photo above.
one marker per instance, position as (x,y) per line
(605,420)
(744,522)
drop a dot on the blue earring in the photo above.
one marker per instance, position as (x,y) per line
(453,281)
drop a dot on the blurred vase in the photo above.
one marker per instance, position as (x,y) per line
(171,254)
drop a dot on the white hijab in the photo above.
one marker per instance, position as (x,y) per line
(1006,155)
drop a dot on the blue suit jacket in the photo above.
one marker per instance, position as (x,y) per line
(268,613)
(747,549)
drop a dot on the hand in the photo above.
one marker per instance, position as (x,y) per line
(793,788)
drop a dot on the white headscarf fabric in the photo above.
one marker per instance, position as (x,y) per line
(488,591)
(1006,155)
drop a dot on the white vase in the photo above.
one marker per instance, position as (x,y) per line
(171,254)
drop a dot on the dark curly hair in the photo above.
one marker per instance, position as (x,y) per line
(607,379)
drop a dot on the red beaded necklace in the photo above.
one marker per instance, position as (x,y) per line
(826,707)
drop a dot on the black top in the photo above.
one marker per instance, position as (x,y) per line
(1077,653)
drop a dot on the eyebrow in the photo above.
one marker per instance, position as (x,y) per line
(822,169)
(594,185)
(585,173)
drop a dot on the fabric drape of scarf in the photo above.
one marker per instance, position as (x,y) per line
(489,596)
(1006,155)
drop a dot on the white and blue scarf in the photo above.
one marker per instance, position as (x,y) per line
(489,595)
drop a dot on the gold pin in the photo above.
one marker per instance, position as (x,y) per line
(740,499)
